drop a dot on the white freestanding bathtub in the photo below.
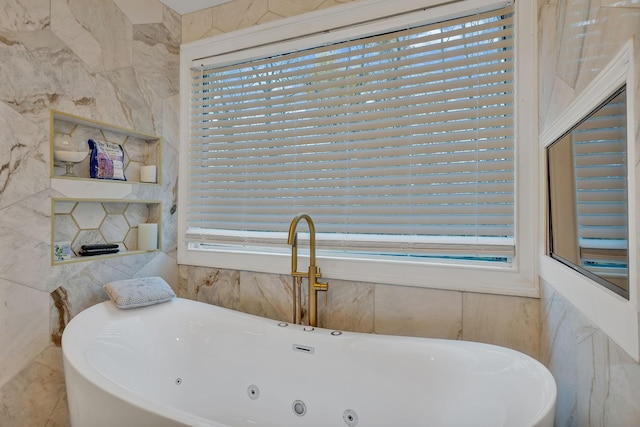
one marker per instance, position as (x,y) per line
(185,363)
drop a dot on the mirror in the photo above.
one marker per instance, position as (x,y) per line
(587,190)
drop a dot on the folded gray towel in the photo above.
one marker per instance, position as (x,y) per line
(132,293)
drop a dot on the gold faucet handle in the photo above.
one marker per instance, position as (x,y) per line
(322,287)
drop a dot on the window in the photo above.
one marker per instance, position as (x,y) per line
(399,142)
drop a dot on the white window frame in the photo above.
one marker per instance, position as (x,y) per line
(615,315)
(360,18)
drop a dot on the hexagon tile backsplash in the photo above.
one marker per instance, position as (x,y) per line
(83,222)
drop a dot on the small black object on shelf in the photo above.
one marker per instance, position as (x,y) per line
(99,249)
(100,246)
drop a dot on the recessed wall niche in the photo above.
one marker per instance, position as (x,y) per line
(70,134)
(78,222)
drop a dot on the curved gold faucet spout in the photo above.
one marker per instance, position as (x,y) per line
(292,239)
(313,272)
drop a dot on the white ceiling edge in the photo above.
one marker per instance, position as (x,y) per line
(184,7)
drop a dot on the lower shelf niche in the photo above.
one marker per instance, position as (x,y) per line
(80,222)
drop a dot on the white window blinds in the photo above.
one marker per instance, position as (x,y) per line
(400,143)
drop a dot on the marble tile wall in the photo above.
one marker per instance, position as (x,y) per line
(367,307)
(113,61)
(239,14)
(93,59)
(598,383)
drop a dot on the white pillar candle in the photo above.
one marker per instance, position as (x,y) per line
(148,173)
(147,237)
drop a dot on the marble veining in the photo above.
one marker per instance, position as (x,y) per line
(18,346)
(103,45)
(36,396)
(348,303)
(23,154)
(75,56)
(262,295)
(25,15)
(26,224)
(597,381)
(60,298)
(368,307)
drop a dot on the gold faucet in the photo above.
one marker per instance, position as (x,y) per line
(312,275)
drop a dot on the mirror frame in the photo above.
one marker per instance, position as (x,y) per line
(570,254)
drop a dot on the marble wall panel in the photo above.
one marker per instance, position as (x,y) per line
(56,78)
(239,14)
(293,7)
(156,57)
(131,99)
(24,15)
(23,308)
(266,295)
(364,307)
(213,286)
(141,11)
(350,306)
(27,225)
(418,312)
(170,123)
(163,265)
(184,280)
(75,56)
(502,320)
(37,396)
(24,153)
(598,383)
(103,44)
(198,25)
